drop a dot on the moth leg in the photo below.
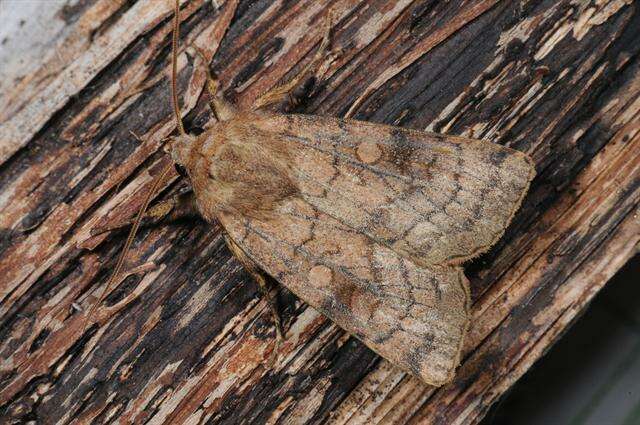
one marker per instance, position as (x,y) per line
(180,206)
(258,276)
(222,109)
(286,93)
(212,83)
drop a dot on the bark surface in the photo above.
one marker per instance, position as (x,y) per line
(82,123)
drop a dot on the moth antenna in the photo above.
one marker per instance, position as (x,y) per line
(174,68)
(156,183)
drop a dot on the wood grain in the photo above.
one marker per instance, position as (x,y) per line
(186,340)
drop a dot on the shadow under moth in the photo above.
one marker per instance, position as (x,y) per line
(367,223)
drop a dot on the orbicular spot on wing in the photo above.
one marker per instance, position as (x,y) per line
(321,276)
(368,152)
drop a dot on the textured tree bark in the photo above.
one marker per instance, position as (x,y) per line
(187,340)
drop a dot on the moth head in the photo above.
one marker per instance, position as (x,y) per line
(179,147)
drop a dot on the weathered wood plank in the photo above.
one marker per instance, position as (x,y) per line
(187,340)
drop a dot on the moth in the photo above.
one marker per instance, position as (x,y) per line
(368,223)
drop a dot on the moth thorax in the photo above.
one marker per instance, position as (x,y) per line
(250,179)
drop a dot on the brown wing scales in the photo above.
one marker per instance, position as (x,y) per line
(413,316)
(438,200)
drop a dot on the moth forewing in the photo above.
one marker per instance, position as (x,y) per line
(415,317)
